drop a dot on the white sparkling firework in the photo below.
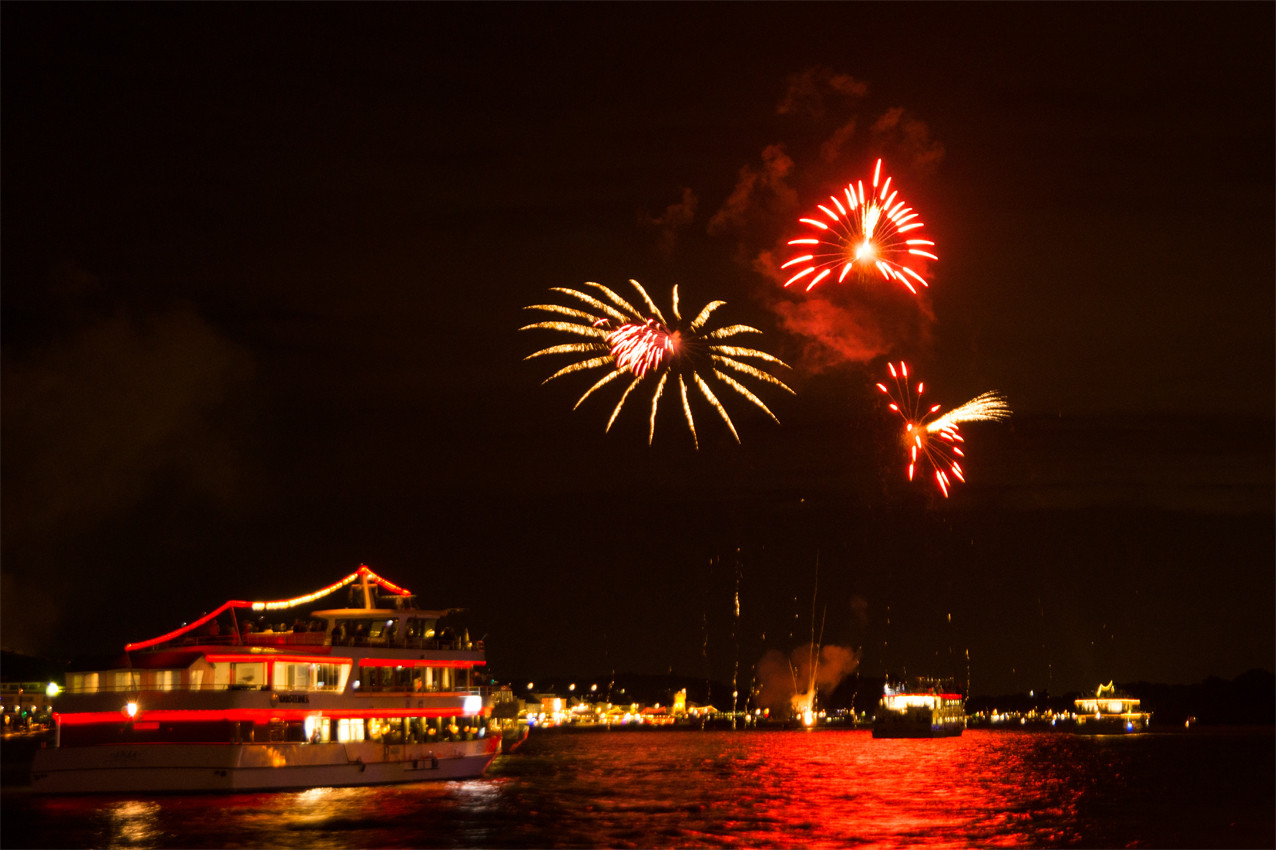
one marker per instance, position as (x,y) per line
(624,341)
(935,441)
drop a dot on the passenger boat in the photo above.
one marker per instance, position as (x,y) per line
(240,699)
(930,708)
(1110,713)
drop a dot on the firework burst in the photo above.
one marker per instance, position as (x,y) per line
(869,232)
(622,340)
(935,440)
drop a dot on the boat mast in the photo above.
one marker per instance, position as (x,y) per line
(367,594)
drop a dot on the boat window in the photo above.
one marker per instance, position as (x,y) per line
(112,680)
(386,730)
(296,678)
(163,680)
(317,730)
(350,729)
(86,683)
(419,628)
(310,677)
(247,675)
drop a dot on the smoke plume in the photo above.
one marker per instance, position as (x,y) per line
(790,683)
(863,318)
(668,224)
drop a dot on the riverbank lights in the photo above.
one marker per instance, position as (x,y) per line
(52,690)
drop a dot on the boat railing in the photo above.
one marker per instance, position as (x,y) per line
(222,686)
(321,639)
(148,688)
(429,689)
(410,643)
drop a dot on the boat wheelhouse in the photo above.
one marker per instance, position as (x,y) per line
(253,696)
(1110,713)
(929,708)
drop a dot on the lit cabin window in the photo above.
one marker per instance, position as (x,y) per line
(350,729)
(127,680)
(289,676)
(239,675)
(84,683)
(164,680)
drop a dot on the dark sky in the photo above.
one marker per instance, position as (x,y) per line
(264,267)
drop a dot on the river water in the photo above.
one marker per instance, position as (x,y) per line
(744,789)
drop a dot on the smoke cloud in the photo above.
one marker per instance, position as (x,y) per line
(865,317)
(809,92)
(899,131)
(791,682)
(671,221)
(762,195)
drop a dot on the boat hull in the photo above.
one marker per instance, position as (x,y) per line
(152,768)
(944,732)
(916,724)
(1109,726)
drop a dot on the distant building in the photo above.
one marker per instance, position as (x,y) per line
(27,687)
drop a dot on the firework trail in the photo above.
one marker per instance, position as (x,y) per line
(867,232)
(624,341)
(936,440)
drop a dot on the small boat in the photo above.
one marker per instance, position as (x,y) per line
(1110,713)
(929,708)
(240,699)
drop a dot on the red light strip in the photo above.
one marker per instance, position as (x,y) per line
(263,715)
(300,659)
(129,647)
(386,583)
(275,605)
(418,662)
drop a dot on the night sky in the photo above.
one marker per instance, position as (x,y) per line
(264,269)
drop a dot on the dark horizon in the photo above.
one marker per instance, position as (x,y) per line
(264,272)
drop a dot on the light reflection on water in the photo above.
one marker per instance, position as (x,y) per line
(678,789)
(134,823)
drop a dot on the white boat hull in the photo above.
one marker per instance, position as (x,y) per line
(152,768)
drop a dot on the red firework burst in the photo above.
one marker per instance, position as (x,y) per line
(639,347)
(935,443)
(867,232)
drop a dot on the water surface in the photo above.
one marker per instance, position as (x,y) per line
(747,789)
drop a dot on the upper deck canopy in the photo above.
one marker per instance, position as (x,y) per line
(364,575)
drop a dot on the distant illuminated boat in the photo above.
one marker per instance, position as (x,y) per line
(1110,713)
(931,708)
(343,696)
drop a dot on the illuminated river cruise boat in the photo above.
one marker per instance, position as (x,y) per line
(254,697)
(931,708)
(1110,713)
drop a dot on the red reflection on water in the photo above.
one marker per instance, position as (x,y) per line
(735,789)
